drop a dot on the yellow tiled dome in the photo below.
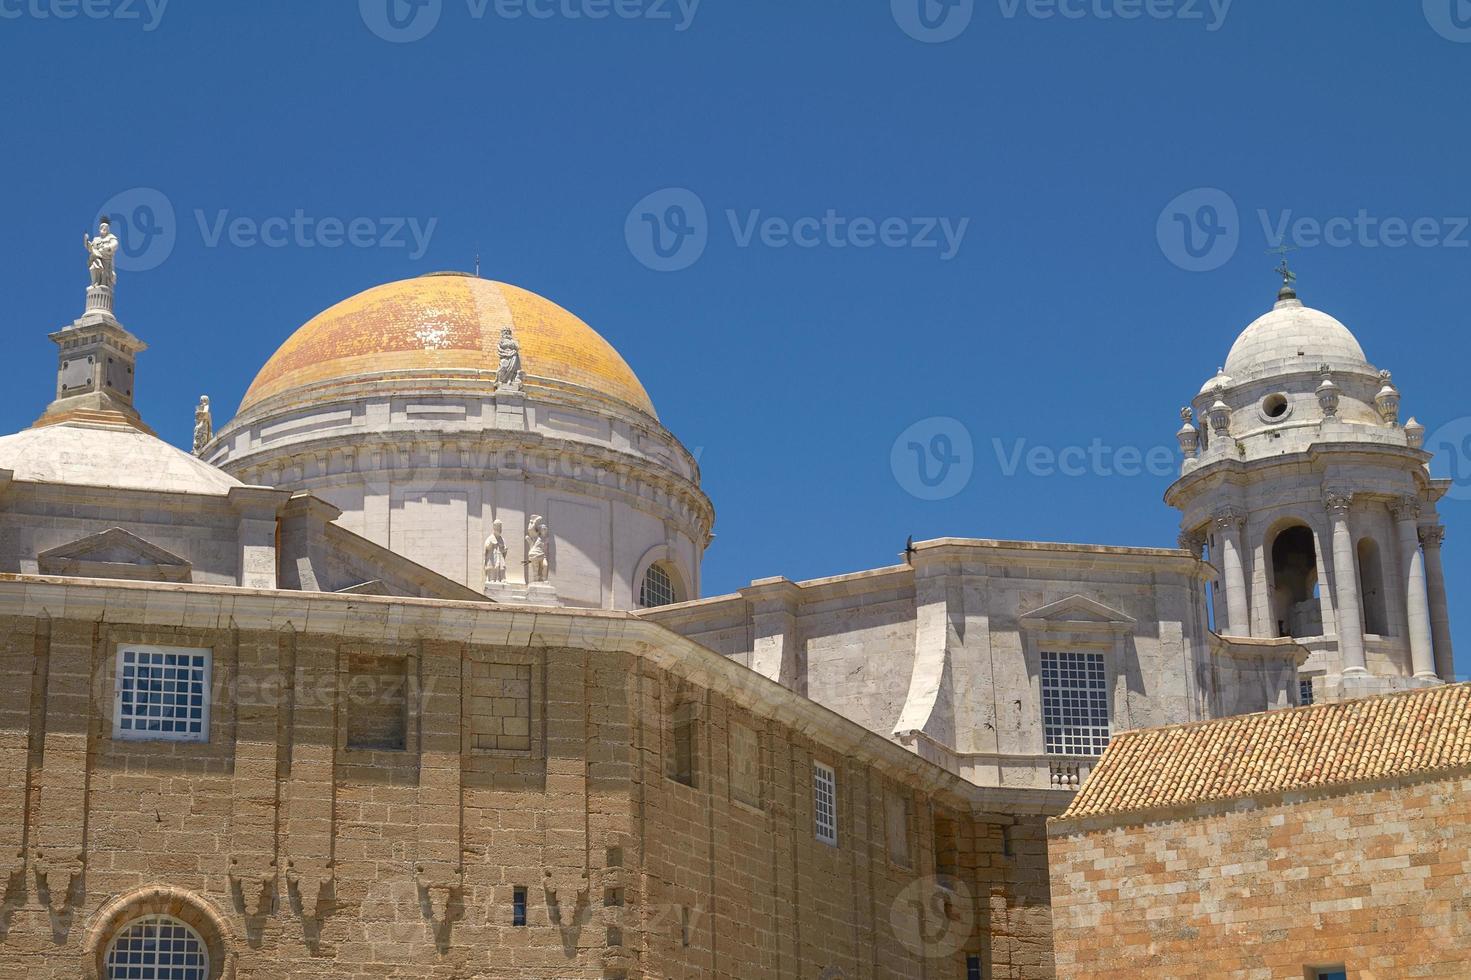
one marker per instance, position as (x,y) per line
(445,326)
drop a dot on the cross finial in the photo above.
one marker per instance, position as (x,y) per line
(477,263)
(1284,270)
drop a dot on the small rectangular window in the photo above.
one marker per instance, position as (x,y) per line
(825,803)
(518,906)
(1074,703)
(1327,973)
(972,967)
(162,694)
(1305,691)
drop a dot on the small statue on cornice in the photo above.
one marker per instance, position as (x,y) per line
(495,553)
(538,550)
(510,374)
(101,253)
(204,429)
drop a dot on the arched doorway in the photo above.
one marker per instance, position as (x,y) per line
(1295,606)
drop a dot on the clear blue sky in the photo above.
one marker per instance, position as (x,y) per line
(1060,320)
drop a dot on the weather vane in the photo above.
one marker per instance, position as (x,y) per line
(1284,270)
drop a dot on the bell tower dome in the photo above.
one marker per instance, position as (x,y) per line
(1315,504)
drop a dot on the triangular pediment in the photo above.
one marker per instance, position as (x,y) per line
(115,553)
(1078,612)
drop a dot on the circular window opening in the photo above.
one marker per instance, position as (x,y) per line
(157,948)
(1275,406)
(657,588)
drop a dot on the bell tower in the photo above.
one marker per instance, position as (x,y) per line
(1315,504)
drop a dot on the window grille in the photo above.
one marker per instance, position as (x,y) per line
(1074,703)
(824,803)
(157,948)
(657,588)
(162,693)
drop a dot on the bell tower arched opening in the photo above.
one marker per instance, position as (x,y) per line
(1295,604)
(1371,588)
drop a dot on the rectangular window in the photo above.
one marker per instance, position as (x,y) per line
(1304,690)
(825,803)
(518,906)
(1074,703)
(162,693)
(1327,973)
(972,967)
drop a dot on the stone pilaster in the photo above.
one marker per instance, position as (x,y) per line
(1432,537)
(253,864)
(1406,512)
(1349,614)
(776,650)
(1229,523)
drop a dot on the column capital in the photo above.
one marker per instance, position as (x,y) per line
(1338,500)
(1406,508)
(1192,541)
(1229,518)
(1432,535)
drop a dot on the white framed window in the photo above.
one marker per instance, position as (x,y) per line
(825,803)
(162,693)
(157,948)
(657,588)
(1074,703)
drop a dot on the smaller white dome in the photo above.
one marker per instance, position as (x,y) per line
(1220,380)
(1293,338)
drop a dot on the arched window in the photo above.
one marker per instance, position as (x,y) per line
(157,947)
(1295,603)
(1371,588)
(657,588)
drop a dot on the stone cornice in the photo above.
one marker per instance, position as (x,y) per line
(393,620)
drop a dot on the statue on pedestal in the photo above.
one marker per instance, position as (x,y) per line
(101,252)
(538,550)
(495,554)
(204,429)
(510,374)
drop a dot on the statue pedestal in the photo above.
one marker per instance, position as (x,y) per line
(99,300)
(517,594)
(510,408)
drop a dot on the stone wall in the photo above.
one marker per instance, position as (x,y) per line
(1374,878)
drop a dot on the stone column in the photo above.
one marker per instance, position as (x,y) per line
(1406,512)
(1431,537)
(1238,617)
(1349,615)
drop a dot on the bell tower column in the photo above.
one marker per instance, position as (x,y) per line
(1238,619)
(1406,512)
(1346,584)
(1432,536)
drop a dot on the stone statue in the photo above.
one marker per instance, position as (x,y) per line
(538,548)
(510,374)
(204,429)
(101,252)
(495,553)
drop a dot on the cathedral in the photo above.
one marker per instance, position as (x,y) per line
(406,671)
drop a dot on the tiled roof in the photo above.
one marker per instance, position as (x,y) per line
(1299,748)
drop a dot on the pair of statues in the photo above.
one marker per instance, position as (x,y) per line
(538,552)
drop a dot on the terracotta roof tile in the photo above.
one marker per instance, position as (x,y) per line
(1299,748)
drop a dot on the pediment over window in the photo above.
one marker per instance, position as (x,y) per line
(1079,614)
(115,553)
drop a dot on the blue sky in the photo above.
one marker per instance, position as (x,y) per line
(1047,138)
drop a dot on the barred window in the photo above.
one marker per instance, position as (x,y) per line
(162,693)
(825,803)
(157,948)
(1304,690)
(1074,703)
(657,588)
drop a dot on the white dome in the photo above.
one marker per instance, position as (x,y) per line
(1292,338)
